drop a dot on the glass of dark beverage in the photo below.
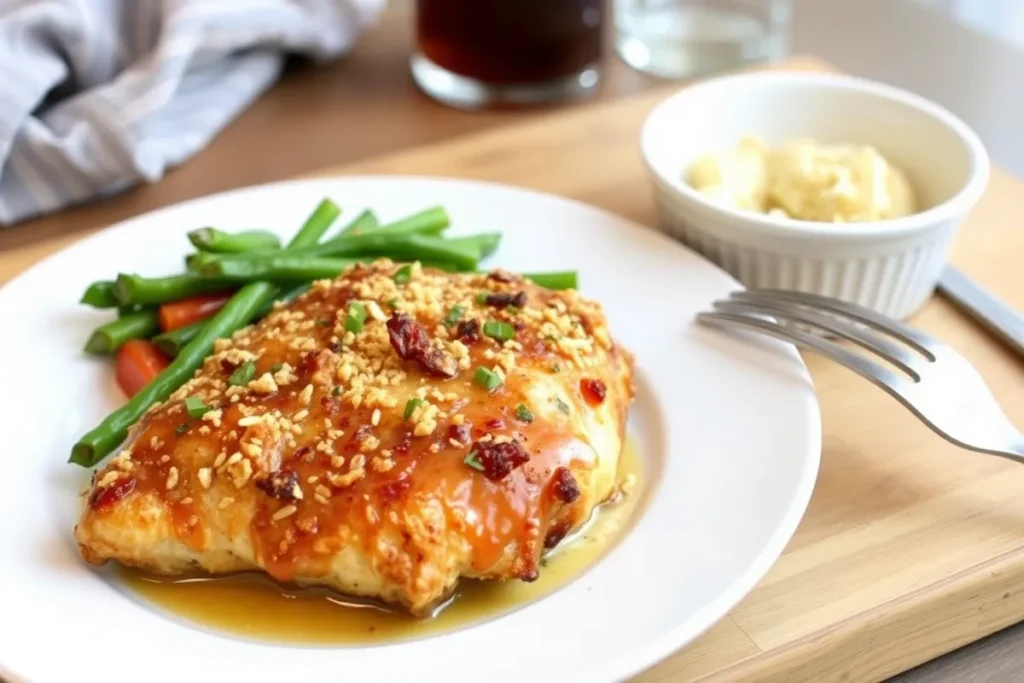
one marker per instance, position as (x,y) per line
(475,53)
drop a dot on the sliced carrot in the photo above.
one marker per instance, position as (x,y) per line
(138,362)
(187,311)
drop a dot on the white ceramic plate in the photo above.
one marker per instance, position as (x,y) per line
(729,434)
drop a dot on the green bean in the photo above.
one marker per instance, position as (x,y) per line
(316,225)
(111,336)
(135,289)
(432,221)
(237,312)
(485,243)
(99,442)
(100,294)
(218,241)
(122,311)
(566,279)
(171,343)
(279,268)
(286,297)
(401,247)
(367,220)
(212,242)
(195,262)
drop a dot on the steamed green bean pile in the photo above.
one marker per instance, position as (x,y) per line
(249,271)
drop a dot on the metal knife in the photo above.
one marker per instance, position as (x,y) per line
(984,307)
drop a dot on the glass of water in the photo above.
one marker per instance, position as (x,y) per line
(683,38)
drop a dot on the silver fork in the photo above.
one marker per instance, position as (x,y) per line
(931,379)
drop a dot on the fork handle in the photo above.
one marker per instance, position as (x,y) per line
(984,307)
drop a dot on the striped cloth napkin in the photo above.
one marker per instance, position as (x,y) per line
(99,95)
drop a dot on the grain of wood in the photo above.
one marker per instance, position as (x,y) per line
(910,547)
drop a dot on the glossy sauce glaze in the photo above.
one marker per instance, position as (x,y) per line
(356,459)
(255,607)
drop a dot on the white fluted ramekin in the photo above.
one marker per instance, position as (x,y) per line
(891,266)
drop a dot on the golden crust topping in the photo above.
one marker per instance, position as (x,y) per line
(321,412)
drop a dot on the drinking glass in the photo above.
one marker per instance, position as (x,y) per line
(683,38)
(473,53)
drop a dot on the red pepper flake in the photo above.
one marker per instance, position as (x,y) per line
(330,404)
(402,447)
(307,364)
(361,434)
(282,485)
(497,460)
(394,490)
(468,331)
(108,495)
(593,390)
(495,423)
(459,433)
(506,299)
(564,485)
(410,342)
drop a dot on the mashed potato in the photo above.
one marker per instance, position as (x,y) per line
(805,180)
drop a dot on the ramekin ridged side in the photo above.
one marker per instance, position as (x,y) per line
(891,266)
(894,277)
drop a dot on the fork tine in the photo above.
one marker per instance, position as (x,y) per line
(868,369)
(891,351)
(972,420)
(923,343)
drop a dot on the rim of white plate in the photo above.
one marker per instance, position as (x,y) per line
(688,627)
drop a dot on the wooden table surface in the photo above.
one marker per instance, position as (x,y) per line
(345,113)
(318,116)
(910,547)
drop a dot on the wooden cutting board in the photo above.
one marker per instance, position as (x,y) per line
(910,547)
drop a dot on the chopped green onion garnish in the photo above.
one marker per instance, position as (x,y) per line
(181,429)
(275,368)
(410,407)
(355,318)
(336,392)
(243,375)
(551,338)
(195,406)
(393,302)
(562,405)
(523,413)
(481,297)
(472,460)
(512,310)
(496,329)
(323,322)
(556,368)
(402,275)
(454,314)
(487,379)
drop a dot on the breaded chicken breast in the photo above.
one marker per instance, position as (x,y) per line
(385,434)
